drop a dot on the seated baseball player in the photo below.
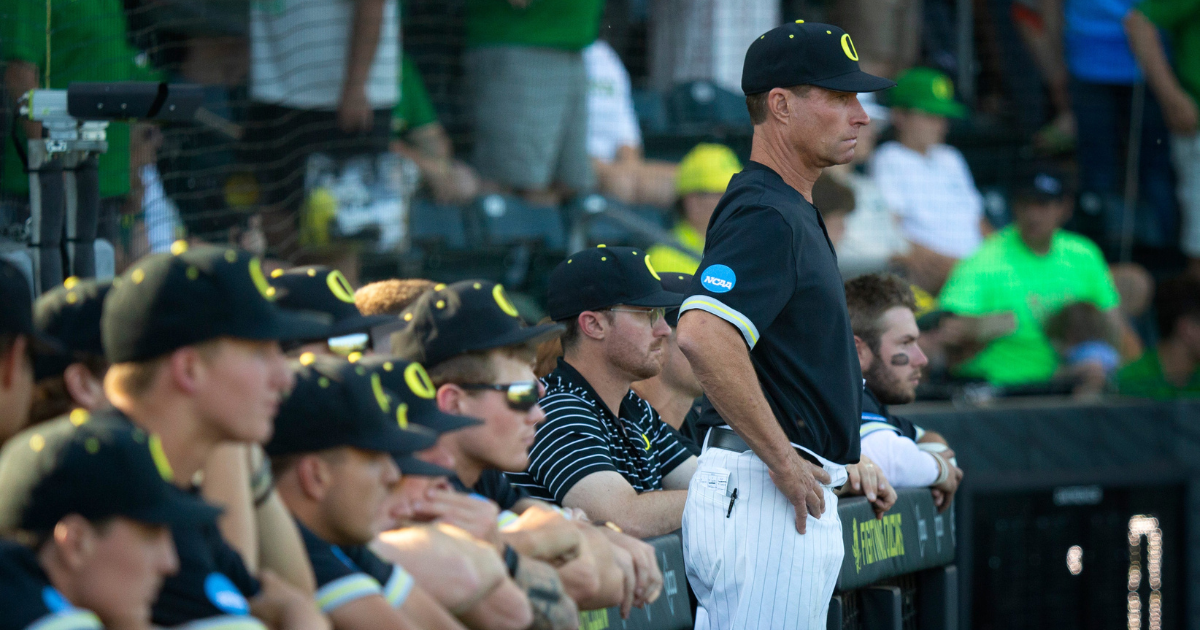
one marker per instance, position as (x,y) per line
(881,309)
(326,292)
(443,536)
(74,377)
(335,455)
(481,358)
(603,449)
(87,518)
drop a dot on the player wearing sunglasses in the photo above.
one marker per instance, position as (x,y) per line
(480,358)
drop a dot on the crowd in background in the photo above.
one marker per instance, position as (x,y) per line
(322,122)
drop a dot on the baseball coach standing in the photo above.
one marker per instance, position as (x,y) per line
(766,329)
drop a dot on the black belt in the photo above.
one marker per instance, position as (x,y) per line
(728,440)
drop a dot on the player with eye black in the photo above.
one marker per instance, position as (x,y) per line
(881,310)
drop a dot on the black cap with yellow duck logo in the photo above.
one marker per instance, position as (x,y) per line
(806,53)
(193,294)
(415,397)
(338,403)
(323,290)
(467,316)
(601,277)
(94,465)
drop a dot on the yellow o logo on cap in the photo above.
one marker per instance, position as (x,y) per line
(380,396)
(340,286)
(503,302)
(651,268)
(260,281)
(848,47)
(943,89)
(419,382)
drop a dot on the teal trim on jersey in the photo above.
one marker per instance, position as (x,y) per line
(506,518)
(344,590)
(720,309)
(873,426)
(224,622)
(74,619)
(398,586)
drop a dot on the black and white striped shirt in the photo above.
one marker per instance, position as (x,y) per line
(581,437)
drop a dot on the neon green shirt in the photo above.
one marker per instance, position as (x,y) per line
(667,258)
(87,43)
(1181,20)
(1144,378)
(413,110)
(1004,275)
(562,24)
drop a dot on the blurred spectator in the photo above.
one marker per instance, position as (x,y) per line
(1086,341)
(1177,87)
(390,297)
(418,136)
(705,40)
(1039,23)
(323,78)
(614,137)
(926,182)
(872,237)
(622,464)
(335,455)
(74,378)
(887,34)
(1172,368)
(700,182)
(1032,269)
(85,41)
(528,90)
(674,391)
(881,308)
(18,336)
(325,292)
(1103,74)
(834,201)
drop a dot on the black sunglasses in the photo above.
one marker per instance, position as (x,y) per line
(520,396)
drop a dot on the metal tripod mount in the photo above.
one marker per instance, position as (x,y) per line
(64,181)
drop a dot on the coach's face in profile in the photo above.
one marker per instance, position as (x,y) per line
(821,125)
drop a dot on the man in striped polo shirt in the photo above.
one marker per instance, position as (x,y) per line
(602,448)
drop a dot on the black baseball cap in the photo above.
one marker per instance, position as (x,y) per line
(467,316)
(95,465)
(16,316)
(323,290)
(1040,183)
(806,53)
(601,277)
(71,314)
(194,294)
(337,403)
(415,395)
(675,283)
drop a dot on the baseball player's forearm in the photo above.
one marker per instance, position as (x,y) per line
(607,496)
(905,465)
(721,361)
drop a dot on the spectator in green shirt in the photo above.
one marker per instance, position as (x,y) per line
(418,136)
(1172,368)
(1178,89)
(528,89)
(1031,269)
(87,42)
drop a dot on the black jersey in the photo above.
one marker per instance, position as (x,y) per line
(27,599)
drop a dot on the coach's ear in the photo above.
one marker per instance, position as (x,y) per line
(865,356)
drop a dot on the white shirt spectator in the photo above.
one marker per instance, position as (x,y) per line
(693,40)
(299,50)
(873,234)
(933,194)
(612,121)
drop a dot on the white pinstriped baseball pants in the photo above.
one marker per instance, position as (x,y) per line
(752,570)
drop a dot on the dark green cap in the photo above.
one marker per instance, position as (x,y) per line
(194,294)
(95,465)
(926,90)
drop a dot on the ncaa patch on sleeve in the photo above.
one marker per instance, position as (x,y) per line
(718,278)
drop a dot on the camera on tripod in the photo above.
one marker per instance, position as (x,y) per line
(64,185)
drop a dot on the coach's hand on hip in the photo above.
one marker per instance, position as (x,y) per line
(802,487)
